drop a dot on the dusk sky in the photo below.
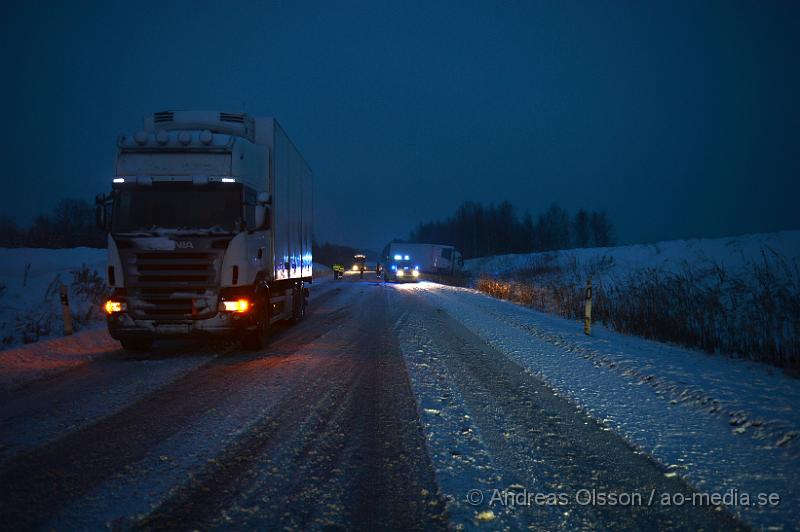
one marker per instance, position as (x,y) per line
(678,118)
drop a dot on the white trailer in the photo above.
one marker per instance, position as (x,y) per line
(209,223)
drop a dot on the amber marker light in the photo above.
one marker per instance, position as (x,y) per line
(113,306)
(240,305)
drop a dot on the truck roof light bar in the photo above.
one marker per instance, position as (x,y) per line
(197,180)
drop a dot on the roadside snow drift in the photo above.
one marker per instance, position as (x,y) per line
(30,281)
(733,253)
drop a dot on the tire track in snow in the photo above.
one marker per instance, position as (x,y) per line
(39,484)
(540,442)
(688,441)
(349,454)
(58,404)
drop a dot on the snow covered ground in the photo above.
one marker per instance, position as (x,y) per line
(720,424)
(30,308)
(317,426)
(737,296)
(733,253)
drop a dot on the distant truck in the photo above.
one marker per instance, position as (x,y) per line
(401,268)
(359,262)
(429,258)
(209,229)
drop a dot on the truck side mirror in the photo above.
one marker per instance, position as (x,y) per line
(101,214)
(263,200)
(262,217)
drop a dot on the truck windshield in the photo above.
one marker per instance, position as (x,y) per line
(178,207)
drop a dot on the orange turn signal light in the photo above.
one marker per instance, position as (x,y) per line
(112,306)
(240,305)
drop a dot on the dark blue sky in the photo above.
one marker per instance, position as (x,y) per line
(679,118)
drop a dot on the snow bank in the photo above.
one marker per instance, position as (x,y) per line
(30,310)
(738,296)
(30,280)
(732,253)
(27,363)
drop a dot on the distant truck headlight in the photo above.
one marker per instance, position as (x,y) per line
(415,273)
(112,306)
(240,305)
(355,267)
(400,273)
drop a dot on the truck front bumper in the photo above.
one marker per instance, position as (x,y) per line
(123,326)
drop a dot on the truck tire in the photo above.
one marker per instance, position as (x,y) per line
(139,344)
(259,338)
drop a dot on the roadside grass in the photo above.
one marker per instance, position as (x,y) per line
(752,314)
(87,291)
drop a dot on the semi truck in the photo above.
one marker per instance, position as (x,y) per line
(438,259)
(359,262)
(209,229)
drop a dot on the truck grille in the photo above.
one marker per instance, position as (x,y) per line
(163,116)
(232,117)
(169,285)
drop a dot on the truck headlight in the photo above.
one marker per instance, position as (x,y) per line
(400,273)
(240,305)
(415,273)
(112,306)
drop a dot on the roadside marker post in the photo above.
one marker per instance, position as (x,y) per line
(65,311)
(587,312)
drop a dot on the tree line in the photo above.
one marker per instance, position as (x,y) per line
(70,224)
(330,254)
(481,230)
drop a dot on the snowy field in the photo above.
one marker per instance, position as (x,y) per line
(30,307)
(737,296)
(733,253)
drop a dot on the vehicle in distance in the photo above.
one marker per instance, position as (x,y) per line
(401,268)
(359,262)
(209,229)
(435,259)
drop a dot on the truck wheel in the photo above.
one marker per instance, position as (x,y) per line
(258,338)
(139,344)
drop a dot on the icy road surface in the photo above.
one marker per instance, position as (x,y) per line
(392,407)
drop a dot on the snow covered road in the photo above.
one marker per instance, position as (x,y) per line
(389,407)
